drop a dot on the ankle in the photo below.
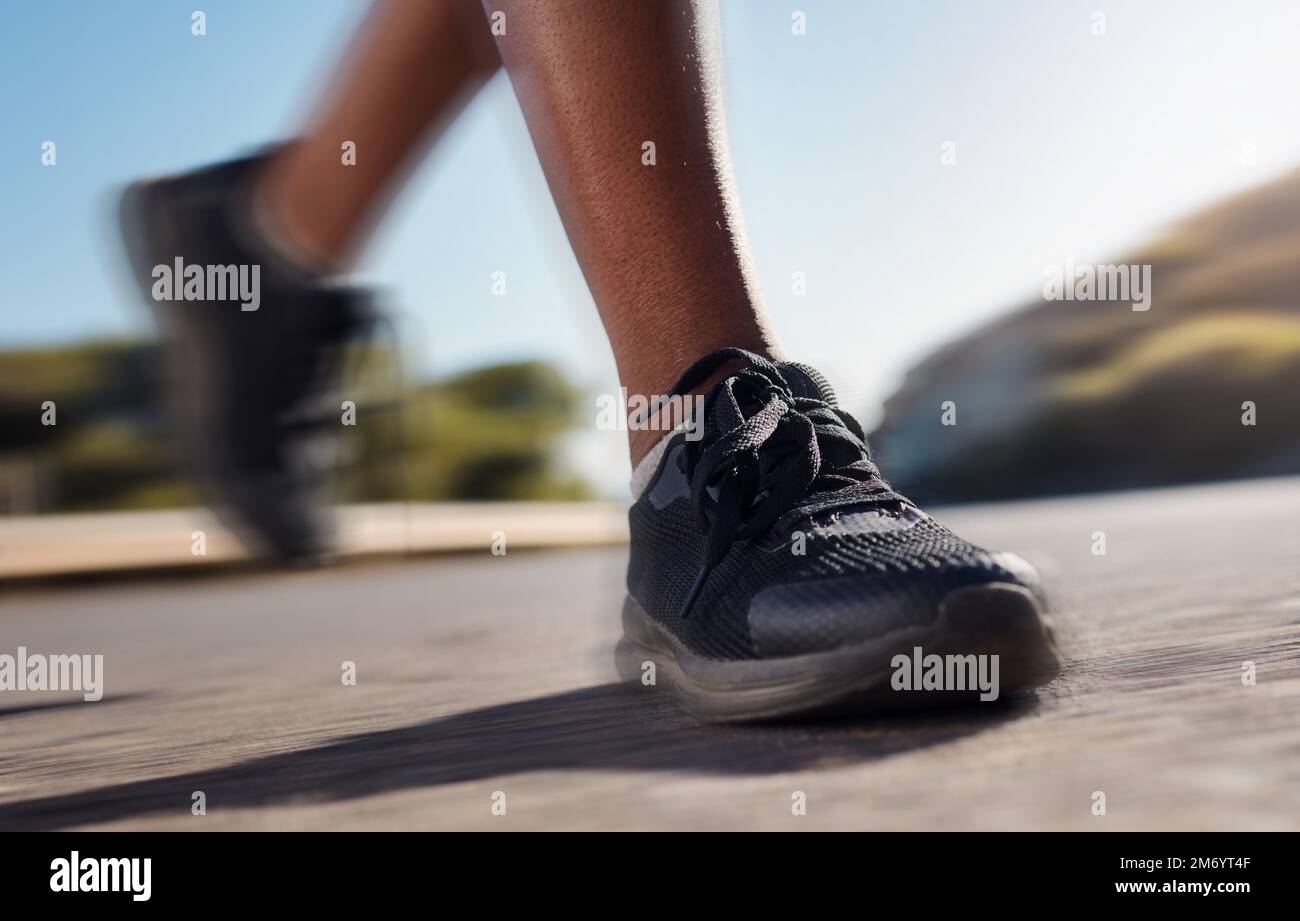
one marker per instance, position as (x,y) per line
(280,225)
(646,428)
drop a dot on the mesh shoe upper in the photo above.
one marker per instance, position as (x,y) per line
(832,560)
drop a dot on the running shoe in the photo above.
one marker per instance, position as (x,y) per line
(774,572)
(250,370)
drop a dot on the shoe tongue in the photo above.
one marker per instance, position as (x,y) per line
(806,381)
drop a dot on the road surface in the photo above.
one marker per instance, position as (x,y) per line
(487,680)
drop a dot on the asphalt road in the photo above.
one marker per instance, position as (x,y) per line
(484,680)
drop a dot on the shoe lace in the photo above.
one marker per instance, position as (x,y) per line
(769,455)
(312,361)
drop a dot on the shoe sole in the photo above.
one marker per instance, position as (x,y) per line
(997,618)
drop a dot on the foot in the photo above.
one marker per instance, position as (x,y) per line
(775,573)
(249,367)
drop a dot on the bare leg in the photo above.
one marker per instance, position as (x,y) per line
(407,74)
(662,246)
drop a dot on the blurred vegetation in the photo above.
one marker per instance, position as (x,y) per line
(1075,396)
(489,434)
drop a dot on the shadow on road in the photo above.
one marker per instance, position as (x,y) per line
(607,727)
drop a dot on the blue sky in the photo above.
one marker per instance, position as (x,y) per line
(1068,145)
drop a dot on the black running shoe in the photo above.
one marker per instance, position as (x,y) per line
(246,384)
(774,572)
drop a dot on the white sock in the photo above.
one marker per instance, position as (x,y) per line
(645,471)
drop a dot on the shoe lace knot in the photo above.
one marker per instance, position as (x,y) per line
(769,450)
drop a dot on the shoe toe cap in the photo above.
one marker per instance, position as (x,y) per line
(798,618)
